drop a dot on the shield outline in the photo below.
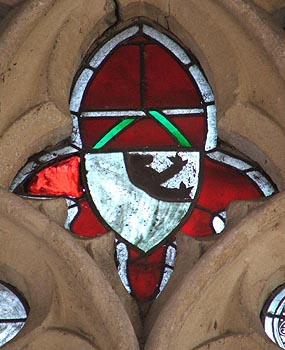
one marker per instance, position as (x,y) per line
(174,229)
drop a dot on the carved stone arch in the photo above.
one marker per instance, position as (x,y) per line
(41,48)
(218,304)
(72,303)
(49,40)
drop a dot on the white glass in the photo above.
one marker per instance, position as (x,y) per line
(11,309)
(227,159)
(106,49)
(138,217)
(79,89)
(212,134)
(202,83)
(168,43)
(262,182)
(122,257)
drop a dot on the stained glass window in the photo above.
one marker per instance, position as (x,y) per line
(273,317)
(13,312)
(144,159)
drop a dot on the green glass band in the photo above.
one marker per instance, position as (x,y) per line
(171,128)
(157,116)
(113,132)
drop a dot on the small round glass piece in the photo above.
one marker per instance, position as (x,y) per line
(219,223)
(273,317)
(13,312)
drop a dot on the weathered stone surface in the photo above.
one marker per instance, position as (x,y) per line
(270,6)
(4,10)
(237,210)
(102,251)
(63,285)
(11,2)
(55,209)
(233,278)
(76,298)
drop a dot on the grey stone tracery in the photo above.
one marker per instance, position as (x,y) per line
(76,299)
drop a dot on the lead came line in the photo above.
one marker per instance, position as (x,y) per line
(13,320)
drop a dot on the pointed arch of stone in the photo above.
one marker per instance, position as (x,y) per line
(242,53)
(44,43)
(70,299)
(218,303)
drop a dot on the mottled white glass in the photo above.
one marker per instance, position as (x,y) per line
(71,212)
(56,153)
(212,134)
(75,136)
(12,314)
(274,324)
(227,159)
(136,113)
(170,256)
(122,258)
(8,331)
(178,111)
(218,224)
(262,182)
(128,113)
(111,44)
(141,219)
(202,83)
(168,43)
(165,278)
(79,89)
(22,174)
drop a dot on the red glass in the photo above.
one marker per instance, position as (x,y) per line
(143,132)
(167,83)
(199,224)
(145,273)
(194,128)
(86,223)
(139,39)
(223,184)
(60,179)
(117,84)
(93,129)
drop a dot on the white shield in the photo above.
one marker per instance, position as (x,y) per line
(135,215)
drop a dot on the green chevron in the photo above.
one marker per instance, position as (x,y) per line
(171,128)
(113,132)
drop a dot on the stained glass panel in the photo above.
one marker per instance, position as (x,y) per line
(86,223)
(145,273)
(123,84)
(58,179)
(137,137)
(230,184)
(144,158)
(167,84)
(13,313)
(273,317)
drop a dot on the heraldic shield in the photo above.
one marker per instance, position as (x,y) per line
(144,159)
(143,196)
